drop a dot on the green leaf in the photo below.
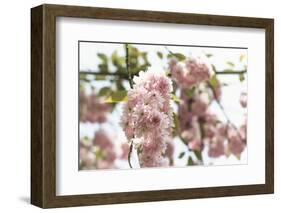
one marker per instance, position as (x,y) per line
(241,77)
(178,56)
(103,67)
(104,91)
(115,58)
(209,55)
(168,73)
(117,96)
(103,57)
(229,63)
(117,61)
(99,153)
(190,162)
(242,57)
(198,155)
(160,55)
(181,155)
(190,92)
(175,98)
(214,81)
(238,156)
(214,68)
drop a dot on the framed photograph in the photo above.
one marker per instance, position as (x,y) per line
(135,106)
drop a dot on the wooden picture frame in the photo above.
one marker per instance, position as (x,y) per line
(43,105)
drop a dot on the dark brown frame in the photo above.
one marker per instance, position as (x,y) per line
(43,105)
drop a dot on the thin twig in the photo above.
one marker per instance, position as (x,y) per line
(169,51)
(129,154)
(131,86)
(128,65)
(231,72)
(222,109)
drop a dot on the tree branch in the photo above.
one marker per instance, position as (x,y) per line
(223,110)
(231,72)
(122,75)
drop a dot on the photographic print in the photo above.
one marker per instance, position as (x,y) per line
(160,105)
(114,102)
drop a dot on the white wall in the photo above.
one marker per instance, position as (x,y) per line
(15,104)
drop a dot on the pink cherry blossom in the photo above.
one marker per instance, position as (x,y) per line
(107,149)
(87,158)
(235,142)
(243,99)
(92,109)
(190,72)
(195,144)
(199,107)
(216,148)
(147,117)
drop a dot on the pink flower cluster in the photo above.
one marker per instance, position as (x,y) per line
(92,109)
(199,127)
(147,117)
(107,149)
(190,72)
(215,135)
(236,140)
(190,111)
(87,156)
(100,153)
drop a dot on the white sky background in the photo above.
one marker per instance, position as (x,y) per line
(230,94)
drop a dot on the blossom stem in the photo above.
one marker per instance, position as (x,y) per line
(129,155)
(219,104)
(131,86)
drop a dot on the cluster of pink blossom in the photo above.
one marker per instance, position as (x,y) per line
(191,110)
(199,127)
(87,156)
(101,152)
(147,117)
(190,72)
(215,135)
(92,109)
(236,142)
(106,148)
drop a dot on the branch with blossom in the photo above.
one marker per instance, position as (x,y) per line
(198,126)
